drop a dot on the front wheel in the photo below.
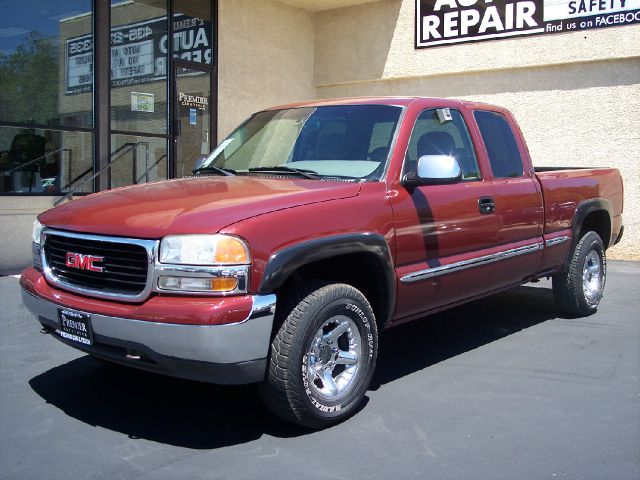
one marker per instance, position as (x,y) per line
(322,357)
(579,289)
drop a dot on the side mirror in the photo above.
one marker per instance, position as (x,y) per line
(198,162)
(434,170)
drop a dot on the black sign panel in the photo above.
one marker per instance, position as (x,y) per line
(75,326)
(138,52)
(445,22)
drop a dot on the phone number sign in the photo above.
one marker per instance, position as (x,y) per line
(445,22)
(138,52)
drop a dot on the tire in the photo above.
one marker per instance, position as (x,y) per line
(322,356)
(579,288)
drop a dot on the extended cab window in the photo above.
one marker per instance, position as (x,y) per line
(431,136)
(501,144)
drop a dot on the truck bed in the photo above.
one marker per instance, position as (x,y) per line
(565,188)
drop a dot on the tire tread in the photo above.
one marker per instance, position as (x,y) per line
(279,391)
(567,285)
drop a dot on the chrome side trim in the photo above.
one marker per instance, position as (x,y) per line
(556,241)
(471,263)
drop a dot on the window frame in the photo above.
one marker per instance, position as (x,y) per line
(516,138)
(472,143)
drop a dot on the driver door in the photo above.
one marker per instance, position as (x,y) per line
(440,227)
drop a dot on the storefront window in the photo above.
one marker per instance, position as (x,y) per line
(46,63)
(48,103)
(137,159)
(192,31)
(35,160)
(139,66)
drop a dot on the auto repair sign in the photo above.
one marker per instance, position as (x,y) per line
(443,22)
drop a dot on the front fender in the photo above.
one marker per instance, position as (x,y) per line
(283,263)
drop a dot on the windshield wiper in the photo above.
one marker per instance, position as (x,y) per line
(303,172)
(227,172)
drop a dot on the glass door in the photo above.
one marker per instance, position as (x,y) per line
(192,116)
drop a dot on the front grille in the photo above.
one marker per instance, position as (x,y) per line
(125,265)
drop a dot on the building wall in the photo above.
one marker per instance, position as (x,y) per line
(576,95)
(266,57)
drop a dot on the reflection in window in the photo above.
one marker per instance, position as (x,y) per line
(139,66)
(501,144)
(193,35)
(34,160)
(137,160)
(430,136)
(46,70)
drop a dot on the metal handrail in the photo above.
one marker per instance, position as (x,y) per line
(20,167)
(71,182)
(129,147)
(148,169)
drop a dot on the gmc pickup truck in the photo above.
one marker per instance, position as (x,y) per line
(308,231)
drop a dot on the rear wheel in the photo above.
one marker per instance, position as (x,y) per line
(579,289)
(322,357)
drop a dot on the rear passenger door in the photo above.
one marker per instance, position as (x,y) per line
(517,197)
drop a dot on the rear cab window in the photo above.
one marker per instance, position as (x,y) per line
(500,142)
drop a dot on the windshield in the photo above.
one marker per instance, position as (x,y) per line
(346,141)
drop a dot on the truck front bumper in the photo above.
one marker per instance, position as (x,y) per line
(224,353)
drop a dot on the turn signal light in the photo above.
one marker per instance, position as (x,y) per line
(230,250)
(198,284)
(224,284)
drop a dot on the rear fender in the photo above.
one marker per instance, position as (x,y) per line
(582,212)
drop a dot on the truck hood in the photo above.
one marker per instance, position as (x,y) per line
(189,205)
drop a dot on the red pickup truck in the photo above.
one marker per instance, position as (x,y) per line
(308,231)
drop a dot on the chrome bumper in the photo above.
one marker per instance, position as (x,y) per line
(229,353)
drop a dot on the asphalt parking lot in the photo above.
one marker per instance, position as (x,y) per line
(500,388)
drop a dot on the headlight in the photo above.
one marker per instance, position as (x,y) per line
(37,230)
(204,250)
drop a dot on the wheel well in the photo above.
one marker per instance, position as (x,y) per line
(363,271)
(599,222)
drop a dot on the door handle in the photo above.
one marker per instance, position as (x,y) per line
(486,205)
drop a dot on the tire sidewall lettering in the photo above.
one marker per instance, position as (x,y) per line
(350,309)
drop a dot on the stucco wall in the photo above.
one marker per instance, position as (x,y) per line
(576,95)
(266,57)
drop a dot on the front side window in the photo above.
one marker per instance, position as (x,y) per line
(346,141)
(432,136)
(501,144)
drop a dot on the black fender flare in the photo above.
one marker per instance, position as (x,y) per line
(283,263)
(582,211)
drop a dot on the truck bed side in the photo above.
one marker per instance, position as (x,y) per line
(576,199)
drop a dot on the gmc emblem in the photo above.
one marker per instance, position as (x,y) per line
(84,262)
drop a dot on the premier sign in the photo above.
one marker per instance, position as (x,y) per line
(442,22)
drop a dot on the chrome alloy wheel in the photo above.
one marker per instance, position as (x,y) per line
(334,357)
(592,277)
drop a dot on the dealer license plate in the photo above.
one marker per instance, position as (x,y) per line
(75,326)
